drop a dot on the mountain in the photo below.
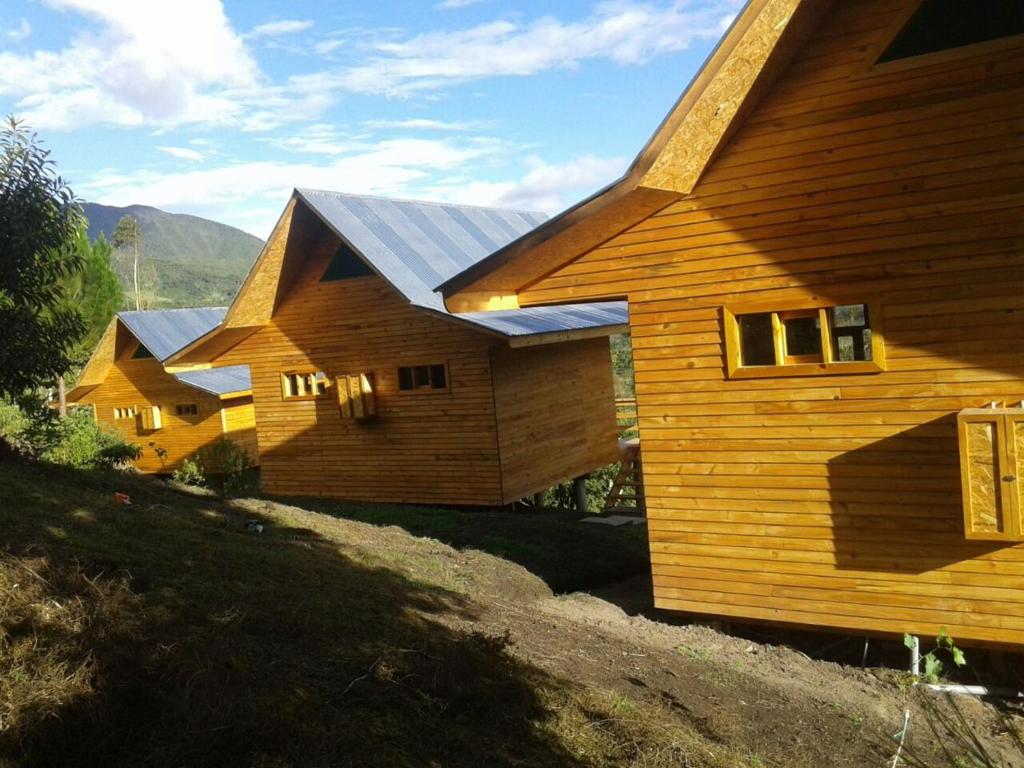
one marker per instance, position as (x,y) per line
(185,260)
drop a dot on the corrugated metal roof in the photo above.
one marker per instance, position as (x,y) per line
(164,331)
(417,245)
(218,381)
(533,320)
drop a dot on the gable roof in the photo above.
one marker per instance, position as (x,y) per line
(756,47)
(229,380)
(412,245)
(417,245)
(164,331)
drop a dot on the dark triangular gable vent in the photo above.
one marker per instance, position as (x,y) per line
(141,353)
(345,264)
(939,25)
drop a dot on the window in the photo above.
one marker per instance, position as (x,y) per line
(126,412)
(941,25)
(432,377)
(346,264)
(186,409)
(992,472)
(141,353)
(304,385)
(802,340)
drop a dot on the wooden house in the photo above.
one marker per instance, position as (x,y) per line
(169,413)
(822,248)
(367,388)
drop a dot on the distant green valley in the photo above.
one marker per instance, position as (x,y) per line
(185,261)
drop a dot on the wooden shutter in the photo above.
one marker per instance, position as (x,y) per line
(991,449)
(356,398)
(151,421)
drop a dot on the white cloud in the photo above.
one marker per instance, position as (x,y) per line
(448,4)
(623,31)
(251,194)
(544,187)
(425,124)
(276,28)
(20,32)
(149,63)
(183,153)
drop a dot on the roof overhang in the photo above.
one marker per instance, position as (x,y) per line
(755,48)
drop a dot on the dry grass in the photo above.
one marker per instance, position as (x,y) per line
(166,634)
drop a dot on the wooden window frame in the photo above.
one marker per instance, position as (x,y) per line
(1012,505)
(826,366)
(871,67)
(134,409)
(181,410)
(303,372)
(429,390)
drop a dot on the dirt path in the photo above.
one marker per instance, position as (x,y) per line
(764,704)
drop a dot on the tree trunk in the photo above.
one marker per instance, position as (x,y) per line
(62,397)
(135,277)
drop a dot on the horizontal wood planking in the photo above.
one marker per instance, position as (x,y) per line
(420,447)
(833,500)
(143,383)
(556,413)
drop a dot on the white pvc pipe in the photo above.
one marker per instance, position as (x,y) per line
(976,690)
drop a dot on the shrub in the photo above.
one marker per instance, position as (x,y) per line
(13,421)
(223,466)
(599,483)
(78,441)
(189,473)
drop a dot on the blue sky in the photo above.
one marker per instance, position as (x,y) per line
(220,108)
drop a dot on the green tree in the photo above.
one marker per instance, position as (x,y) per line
(39,219)
(128,241)
(97,293)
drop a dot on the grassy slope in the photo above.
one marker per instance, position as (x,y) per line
(165,634)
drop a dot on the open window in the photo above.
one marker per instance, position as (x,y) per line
(991,467)
(942,25)
(429,377)
(304,385)
(356,399)
(771,340)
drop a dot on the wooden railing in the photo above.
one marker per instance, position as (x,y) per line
(625,416)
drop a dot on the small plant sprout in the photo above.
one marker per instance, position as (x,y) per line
(933,664)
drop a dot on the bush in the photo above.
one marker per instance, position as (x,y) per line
(13,421)
(78,441)
(189,473)
(599,483)
(223,466)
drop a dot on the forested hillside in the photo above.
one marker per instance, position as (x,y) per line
(185,260)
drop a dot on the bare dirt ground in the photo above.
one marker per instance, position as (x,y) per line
(763,704)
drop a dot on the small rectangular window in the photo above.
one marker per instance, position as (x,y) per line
(423,378)
(186,409)
(125,412)
(304,385)
(802,341)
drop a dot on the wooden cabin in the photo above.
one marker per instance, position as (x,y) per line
(822,248)
(169,413)
(367,388)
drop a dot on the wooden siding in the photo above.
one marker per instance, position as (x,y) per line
(420,447)
(834,500)
(142,383)
(556,413)
(238,419)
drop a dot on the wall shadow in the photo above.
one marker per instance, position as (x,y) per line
(896,503)
(178,637)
